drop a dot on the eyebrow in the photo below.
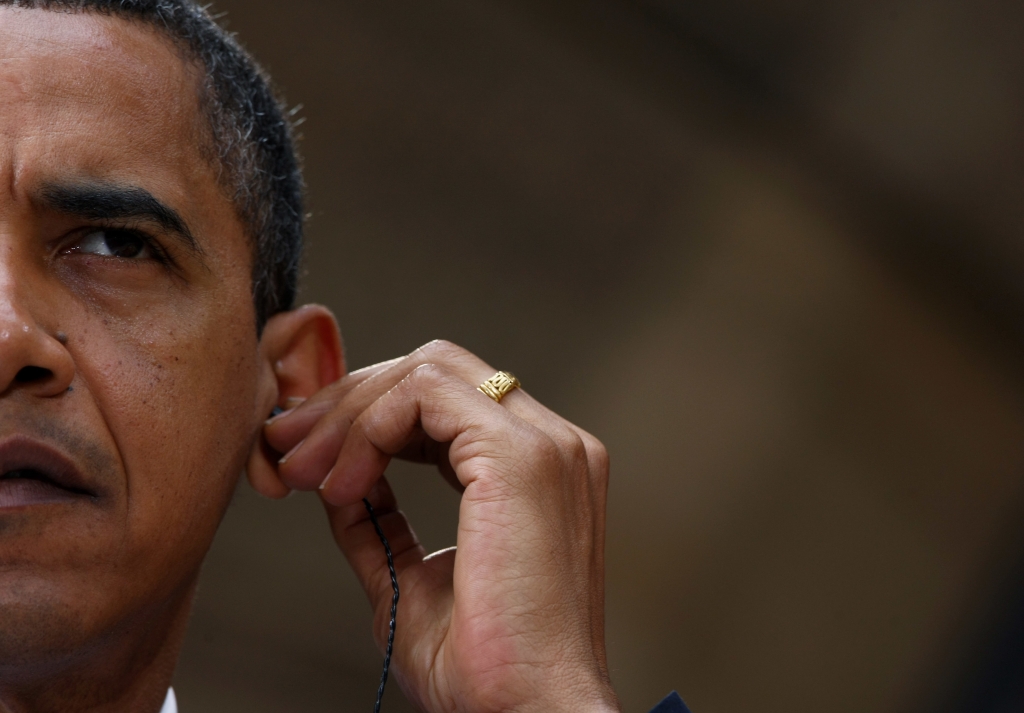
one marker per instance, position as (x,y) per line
(111,201)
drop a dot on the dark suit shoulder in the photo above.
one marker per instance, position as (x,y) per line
(672,704)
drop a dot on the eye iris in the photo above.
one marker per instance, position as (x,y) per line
(123,244)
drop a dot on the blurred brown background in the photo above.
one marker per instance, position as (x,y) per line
(770,252)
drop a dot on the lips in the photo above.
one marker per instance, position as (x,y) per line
(34,473)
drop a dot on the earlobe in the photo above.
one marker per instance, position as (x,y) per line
(301,352)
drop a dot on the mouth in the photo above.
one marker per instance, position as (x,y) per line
(33,473)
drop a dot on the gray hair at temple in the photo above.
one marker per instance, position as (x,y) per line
(250,131)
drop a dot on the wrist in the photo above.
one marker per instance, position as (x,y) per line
(595,697)
(574,705)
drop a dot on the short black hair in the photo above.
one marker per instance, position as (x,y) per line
(250,130)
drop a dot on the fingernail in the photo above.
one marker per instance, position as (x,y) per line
(292,401)
(290,453)
(324,484)
(279,414)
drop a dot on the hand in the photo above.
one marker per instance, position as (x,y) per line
(513,618)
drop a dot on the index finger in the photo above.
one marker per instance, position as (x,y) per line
(285,433)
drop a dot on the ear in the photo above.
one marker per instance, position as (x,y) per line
(300,353)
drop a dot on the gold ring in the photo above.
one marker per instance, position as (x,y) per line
(498,386)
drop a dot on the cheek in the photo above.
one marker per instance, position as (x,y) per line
(178,400)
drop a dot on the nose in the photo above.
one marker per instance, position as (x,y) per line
(31,359)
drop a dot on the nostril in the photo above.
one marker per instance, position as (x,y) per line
(30,374)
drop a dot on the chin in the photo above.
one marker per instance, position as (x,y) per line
(58,626)
(64,586)
(42,622)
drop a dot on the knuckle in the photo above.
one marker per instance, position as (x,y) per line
(598,454)
(440,350)
(573,446)
(544,447)
(599,476)
(427,374)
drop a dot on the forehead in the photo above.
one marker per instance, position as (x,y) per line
(84,95)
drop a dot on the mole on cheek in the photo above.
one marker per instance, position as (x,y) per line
(62,338)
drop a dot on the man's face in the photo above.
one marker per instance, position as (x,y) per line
(128,353)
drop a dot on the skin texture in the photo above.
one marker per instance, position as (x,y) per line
(115,359)
(513,618)
(94,594)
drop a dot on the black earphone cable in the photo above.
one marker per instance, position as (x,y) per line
(394,597)
(394,604)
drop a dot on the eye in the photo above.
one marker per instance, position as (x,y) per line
(114,242)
